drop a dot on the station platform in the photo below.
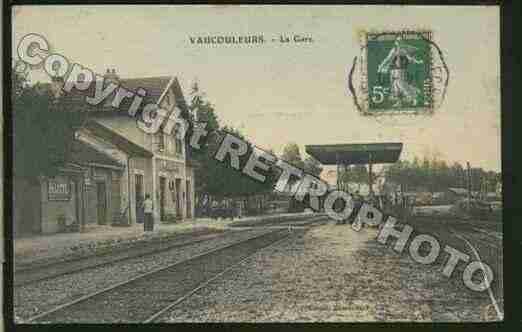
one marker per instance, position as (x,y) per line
(40,249)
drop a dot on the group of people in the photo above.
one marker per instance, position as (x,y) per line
(226,208)
(358,201)
(379,201)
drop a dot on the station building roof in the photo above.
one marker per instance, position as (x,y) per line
(82,153)
(350,154)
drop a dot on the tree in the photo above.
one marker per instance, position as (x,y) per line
(43,129)
(206,165)
(203,110)
(292,155)
(312,166)
(436,175)
(425,174)
(217,178)
(355,174)
(458,175)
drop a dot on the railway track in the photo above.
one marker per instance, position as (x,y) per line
(314,221)
(39,273)
(485,235)
(308,220)
(146,297)
(480,239)
(494,300)
(35,274)
(488,225)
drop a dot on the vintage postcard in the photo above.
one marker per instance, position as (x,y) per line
(256,164)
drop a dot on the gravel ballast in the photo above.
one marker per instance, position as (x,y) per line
(32,299)
(140,299)
(331,274)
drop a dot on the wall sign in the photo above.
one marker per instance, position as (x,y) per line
(170,166)
(59,190)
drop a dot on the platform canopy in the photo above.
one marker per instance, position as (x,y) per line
(350,154)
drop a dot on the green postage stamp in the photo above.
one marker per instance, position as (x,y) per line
(399,72)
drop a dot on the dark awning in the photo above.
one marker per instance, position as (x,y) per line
(120,141)
(84,154)
(349,154)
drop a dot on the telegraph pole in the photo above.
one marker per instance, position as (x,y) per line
(338,180)
(485,184)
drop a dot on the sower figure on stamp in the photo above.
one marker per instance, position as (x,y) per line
(148,225)
(396,64)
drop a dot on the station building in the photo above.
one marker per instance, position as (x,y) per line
(113,164)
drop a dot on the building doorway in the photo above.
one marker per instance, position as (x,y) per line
(162,185)
(189,200)
(138,190)
(78,202)
(178,199)
(101,207)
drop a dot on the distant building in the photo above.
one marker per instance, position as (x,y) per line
(459,193)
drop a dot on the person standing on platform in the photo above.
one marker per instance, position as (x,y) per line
(148,225)
(357,204)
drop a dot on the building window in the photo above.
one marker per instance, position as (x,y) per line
(178,139)
(161,142)
(179,147)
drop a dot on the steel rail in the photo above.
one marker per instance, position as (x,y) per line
(154,249)
(142,276)
(208,281)
(500,315)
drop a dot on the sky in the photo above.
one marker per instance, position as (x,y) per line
(278,93)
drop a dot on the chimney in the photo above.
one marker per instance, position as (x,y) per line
(56,86)
(111,76)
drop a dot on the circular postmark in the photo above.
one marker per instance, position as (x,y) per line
(398,73)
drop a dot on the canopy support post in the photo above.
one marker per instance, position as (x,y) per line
(370,174)
(338,171)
